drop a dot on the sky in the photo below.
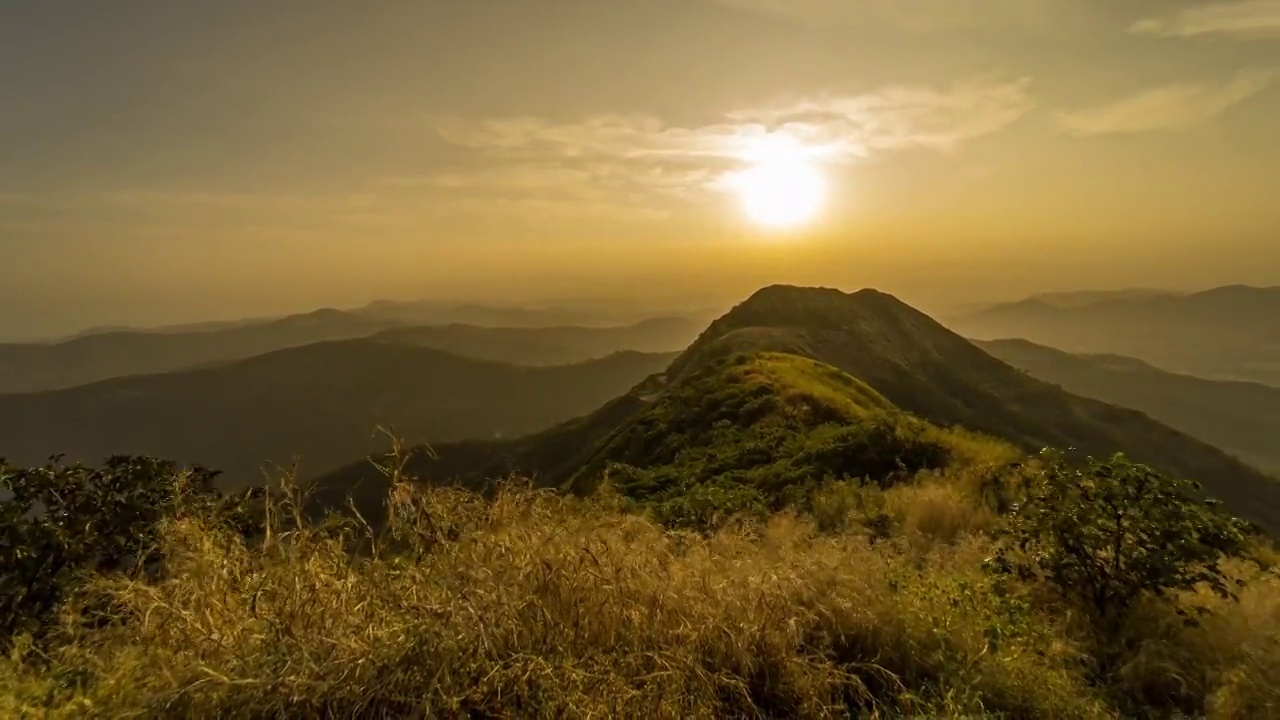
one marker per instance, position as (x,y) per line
(180,160)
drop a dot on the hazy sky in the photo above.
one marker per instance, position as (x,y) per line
(166,160)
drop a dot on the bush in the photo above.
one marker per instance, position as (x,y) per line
(1110,533)
(709,506)
(61,523)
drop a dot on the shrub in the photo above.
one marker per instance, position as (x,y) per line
(1110,533)
(708,506)
(61,522)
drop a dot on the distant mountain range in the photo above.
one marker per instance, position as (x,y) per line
(873,355)
(1071,299)
(552,345)
(321,401)
(1228,333)
(35,367)
(1240,417)
(578,314)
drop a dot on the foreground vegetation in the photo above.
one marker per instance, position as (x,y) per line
(952,591)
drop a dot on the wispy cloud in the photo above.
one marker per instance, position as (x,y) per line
(921,16)
(902,118)
(1172,107)
(1250,18)
(640,155)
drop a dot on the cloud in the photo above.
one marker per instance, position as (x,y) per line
(640,155)
(1173,107)
(1250,18)
(920,16)
(901,118)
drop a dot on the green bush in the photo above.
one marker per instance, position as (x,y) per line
(1112,532)
(709,506)
(60,523)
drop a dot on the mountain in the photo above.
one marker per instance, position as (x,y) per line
(594,314)
(195,327)
(34,367)
(321,401)
(551,345)
(1228,333)
(1240,417)
(1084,298)
(788,353)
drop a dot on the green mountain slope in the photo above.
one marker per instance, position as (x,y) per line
(1240,417)
(1228,333)
(320,401)
(877,358)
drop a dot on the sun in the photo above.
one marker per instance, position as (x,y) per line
(781,190)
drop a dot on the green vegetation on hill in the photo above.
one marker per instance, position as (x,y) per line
(1239,417)
(927,370)
(760,433)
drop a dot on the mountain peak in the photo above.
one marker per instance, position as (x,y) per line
(802,294)
(803,320)
(794,306)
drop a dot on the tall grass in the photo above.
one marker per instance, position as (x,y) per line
(537,604)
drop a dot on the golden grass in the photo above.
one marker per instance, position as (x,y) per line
(536,604)
(937,511)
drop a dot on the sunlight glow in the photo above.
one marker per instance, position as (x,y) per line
(783,188)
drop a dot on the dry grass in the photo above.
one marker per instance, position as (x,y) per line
(937,511)
(1227,665)
(535,604)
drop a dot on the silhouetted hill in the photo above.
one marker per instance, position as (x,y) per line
(36,367)
(552,345)
(320,401)
(195,327)
(1228,333)
(596,314)
(1240,417)
(1083,298)
(877,342)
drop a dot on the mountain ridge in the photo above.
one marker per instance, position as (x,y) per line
(923,369)
(1238,416)
(1224,333)
(322,401)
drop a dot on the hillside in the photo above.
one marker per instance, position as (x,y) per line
(869,339)
(551,345)
(1240,417)
(321,401)
(1228,333)
(35,367)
